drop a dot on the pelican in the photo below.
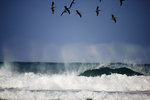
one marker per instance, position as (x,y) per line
(121,2)
(71,3)
(67,9)
(52,7)
(114,18)
(97,10)
(77,12)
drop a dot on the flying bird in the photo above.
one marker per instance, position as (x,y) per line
(67,9)
(114,18)
(71,3)
(77,12)
(97,10)
(52,7)
(121,2)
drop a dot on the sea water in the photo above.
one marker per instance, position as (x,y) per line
(66,81)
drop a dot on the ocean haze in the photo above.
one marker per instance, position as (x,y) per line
(102,53)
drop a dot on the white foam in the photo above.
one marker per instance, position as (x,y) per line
(82,95)
(114,82)
(26,82)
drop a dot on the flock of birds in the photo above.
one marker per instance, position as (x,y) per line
(67,9)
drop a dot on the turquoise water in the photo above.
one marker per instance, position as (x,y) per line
(74,81)
(78,68)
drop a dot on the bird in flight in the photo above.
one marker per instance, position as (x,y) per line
(71,3)
(121,2)
(114,18)
(97,10)
(77,12)
(52,7)
(66,10)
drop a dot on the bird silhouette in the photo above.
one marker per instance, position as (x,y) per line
(97,10)
(71,3)
(121,2)
(67,9)
(52,7)
(100,0)
(77,12)
(114,18)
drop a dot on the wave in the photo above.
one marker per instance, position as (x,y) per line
(113,82)
(108,71)
(27,81)
(68,95)
(68,68)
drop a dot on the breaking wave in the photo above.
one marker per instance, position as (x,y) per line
(109,71)
(63,81)
(76,68)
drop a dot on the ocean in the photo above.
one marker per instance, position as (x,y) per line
(74,81)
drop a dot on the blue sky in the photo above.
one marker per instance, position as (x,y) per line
(30,32)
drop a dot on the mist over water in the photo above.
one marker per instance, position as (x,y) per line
(63,80)
(100,53)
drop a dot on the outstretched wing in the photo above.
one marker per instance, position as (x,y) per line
(97,12)
(63,12)
(97,9)
(121,2)
(68,11)
(53,4)
(114,19)
(80,15)
(52,10)
(71,4)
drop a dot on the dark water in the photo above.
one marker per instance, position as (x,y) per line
(85,69)
(109,71)
(71,81)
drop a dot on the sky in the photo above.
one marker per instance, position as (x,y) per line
(30,32)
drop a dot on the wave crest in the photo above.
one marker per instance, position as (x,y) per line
(109,71)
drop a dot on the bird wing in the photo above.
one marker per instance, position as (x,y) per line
(52,10)
(121,1)
(115,20)
(97,8)
(68,11)
(80,14)
(112,15)
(63,12)
(52,4)
(71,4)
(97,12)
